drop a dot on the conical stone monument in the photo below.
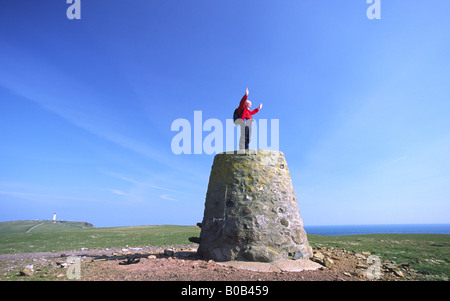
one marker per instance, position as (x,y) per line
(251,212)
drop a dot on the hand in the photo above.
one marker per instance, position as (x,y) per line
(260,106)
(246,91)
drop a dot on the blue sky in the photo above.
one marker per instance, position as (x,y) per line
(86,106)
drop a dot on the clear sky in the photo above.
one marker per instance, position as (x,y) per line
(86,106)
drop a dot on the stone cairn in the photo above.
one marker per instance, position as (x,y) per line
(251,212)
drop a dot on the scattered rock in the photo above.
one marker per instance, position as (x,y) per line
(328,262)
(169,252)
(130,261)
(318,257)
(61,264)
(185,264)
(26,272)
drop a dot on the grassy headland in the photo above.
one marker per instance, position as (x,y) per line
(427,253)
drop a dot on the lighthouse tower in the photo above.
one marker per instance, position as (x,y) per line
(54,216)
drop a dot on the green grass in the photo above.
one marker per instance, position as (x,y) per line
(49,239)
(429,253)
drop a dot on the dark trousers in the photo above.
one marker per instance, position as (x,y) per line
(247,136)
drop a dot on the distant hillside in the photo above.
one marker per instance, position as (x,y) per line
(41,226)
(66,236)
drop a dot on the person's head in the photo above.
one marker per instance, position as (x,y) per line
(248,104)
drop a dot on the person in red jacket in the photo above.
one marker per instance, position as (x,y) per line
(245,120)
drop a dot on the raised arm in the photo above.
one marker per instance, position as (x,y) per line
(256,110)
(244,98)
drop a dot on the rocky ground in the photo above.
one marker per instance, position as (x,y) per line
(183,264)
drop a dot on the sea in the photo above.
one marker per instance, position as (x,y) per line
(378,229)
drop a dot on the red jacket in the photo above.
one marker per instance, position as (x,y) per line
(243,111)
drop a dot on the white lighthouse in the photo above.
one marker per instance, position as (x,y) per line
(54,216)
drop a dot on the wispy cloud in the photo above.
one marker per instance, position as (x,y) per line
(168,198)
(393,161)
(139,182)
(72,99)
(117,192)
